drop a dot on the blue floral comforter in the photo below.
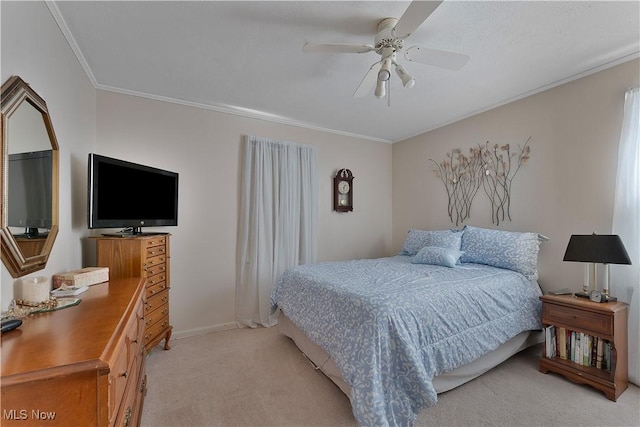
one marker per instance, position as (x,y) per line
(391,326)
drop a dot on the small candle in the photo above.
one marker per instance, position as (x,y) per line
(35,289)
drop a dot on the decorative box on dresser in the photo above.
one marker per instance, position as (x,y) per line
(605,321)
(83,365)
(146,256)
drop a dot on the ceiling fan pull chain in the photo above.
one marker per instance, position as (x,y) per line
(388,83)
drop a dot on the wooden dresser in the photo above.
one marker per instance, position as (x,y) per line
(79,366)
(147,257)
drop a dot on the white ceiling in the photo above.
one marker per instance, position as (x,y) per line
(246,57)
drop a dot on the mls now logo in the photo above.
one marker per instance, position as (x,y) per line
(23,414)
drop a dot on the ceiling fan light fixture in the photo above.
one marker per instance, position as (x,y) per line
(380,89)
(383,75)
(407,79)
(385,71)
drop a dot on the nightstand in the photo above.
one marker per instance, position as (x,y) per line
(599,322)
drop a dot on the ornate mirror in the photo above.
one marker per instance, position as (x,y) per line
(28,179)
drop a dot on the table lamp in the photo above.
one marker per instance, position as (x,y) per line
(596,249)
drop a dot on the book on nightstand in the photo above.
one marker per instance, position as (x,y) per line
(563,291)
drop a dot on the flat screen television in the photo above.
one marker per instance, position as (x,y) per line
(130,196)
(30,192)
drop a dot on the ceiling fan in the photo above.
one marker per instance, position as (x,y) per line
(389,42)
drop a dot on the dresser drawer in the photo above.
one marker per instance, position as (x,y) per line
(153,261)
(574,318)
(159,240)
(124,360)
(156,288)
(126,412)
(156,301)
(156,279)
(152,270)
(155,251)
(156,329)
(156,315)
(117,381)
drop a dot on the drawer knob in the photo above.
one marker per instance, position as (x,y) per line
(124,374)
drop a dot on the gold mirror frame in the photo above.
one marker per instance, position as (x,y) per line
(25,256)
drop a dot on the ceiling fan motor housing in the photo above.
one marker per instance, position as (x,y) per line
(385,38)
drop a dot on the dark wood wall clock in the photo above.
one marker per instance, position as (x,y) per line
(343,191)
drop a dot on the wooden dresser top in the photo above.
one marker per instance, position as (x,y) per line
(585,303)
(50,343)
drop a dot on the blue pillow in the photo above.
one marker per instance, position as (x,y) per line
(436,255)
(418,239)
(504,249)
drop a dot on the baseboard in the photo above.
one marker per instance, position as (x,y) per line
(202,331)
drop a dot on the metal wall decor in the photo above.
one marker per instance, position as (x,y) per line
(492,168)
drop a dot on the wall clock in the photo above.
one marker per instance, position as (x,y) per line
(343,191)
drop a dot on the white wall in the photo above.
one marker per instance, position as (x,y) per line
(33,47)
(204,147)
(566,188)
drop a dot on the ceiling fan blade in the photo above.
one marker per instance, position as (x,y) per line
(417,12)
(368,82)
(337,48)
(437,58)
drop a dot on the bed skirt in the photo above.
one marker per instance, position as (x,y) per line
(442,383)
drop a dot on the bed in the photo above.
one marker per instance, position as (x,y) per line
(393,332)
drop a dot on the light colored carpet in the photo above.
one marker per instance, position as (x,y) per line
(258,377)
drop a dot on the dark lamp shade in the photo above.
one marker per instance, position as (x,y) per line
(598,248)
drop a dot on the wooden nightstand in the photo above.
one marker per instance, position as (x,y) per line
(604,321)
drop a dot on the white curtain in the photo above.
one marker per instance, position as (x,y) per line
(626,223)
(278,217)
